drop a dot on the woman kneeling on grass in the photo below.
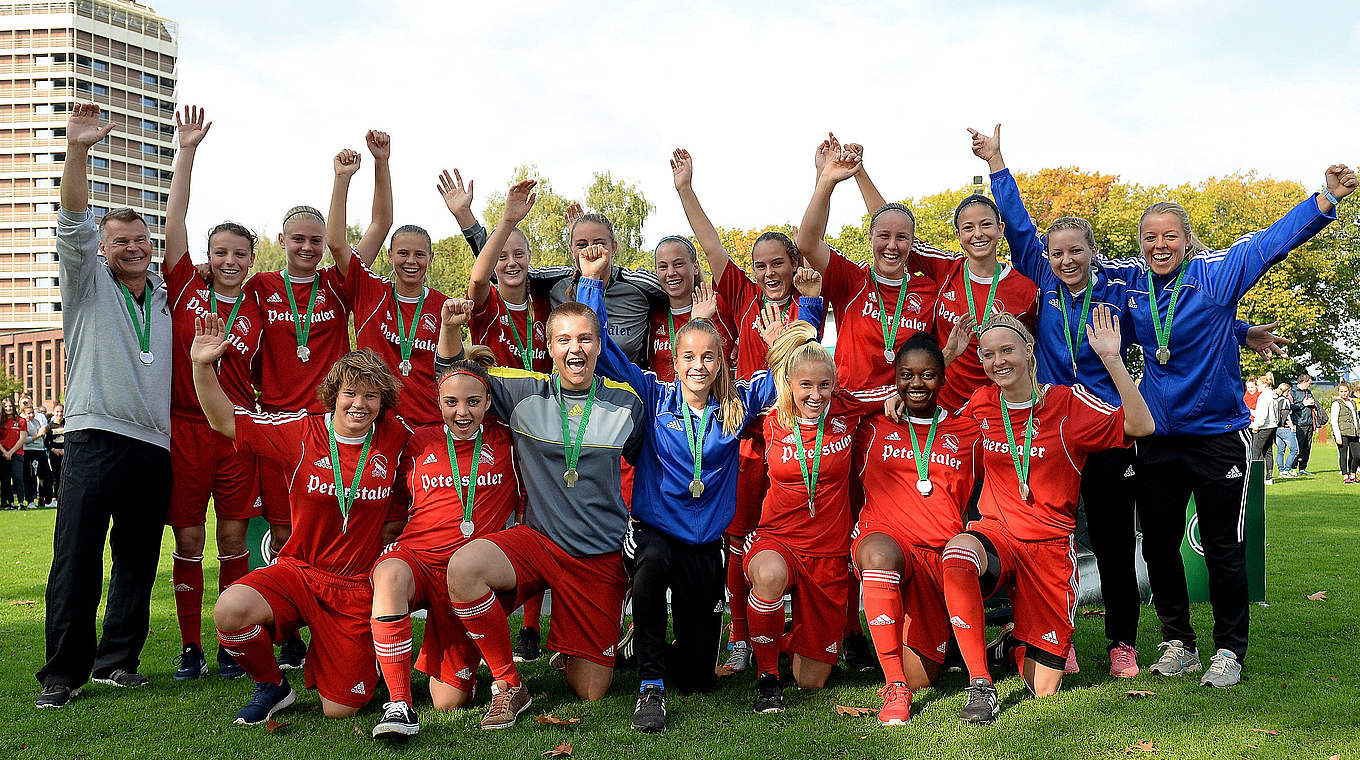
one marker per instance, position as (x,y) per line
(348,458)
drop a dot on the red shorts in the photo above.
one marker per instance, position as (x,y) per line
(273,492)
(752,483)
(205,463)
(340,661)
(446,653)
(1042,578)
(922,592)
(820,587)
(587,597)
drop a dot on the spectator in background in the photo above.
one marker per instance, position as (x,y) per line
(1288,449)
(12,431)
(1345,423)
(56,448)
(1265,423)
(1253,392)
(1304,412)
(38,476)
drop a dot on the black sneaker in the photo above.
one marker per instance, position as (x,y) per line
(1001,649)
(293,654)
(649,716)
(398,722)
(769,694)
(268,699)
(56,695)
(528,648)
(983,704)
(858,654)
(226,666)
(192,665)
(123,679)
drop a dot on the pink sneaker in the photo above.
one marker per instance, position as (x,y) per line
(1123,661)
(1071,666)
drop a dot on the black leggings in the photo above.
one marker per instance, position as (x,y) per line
(1262,445)
(1348,453)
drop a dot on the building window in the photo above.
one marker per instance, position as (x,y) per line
(44,208)
(45,258)
(99,187)
(150,79)
(43,308)
(99,89)
(98,163)
(98,210)
(44,232)
(45,60)
(99,65)
(149,125)
(45,282)
(150,172)
(43,109)
(44,84)
(150,196)
(82,85)
(151,149)
(149,102)
(43,158)
(167,153)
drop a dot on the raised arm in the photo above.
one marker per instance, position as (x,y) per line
(811,236)
(1103,335)
(1028,252)
(682,169)
(873,199)
(210,342)
(519,200)
(613,362)
(458,198)
(452,318)
(83,130)
(191,129)
(380,147)
(346,164)
(811,308)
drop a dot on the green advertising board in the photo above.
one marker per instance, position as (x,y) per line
(1192,553)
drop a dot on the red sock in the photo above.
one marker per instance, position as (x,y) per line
(852,624)
(187,578)
(767,628)
(963,597)
(533,611)
(253,651)
(487,627)
(231,569)
(883,607)
(736,593)
(1018,654)
(392,643)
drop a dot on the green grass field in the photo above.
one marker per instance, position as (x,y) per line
(1302,680)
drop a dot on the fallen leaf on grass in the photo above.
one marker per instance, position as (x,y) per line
(561,750)
(1144,746)
(1093,613)
(358,730)
(1318,597)
(1334,757)
(1268,731)
(548,719)
(272,725)
(22,603)
(1139,693)
(855,712)
(723,671)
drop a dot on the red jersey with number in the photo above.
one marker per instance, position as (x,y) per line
(1015,293)
(886,463)
(299,443)
(739,303)
(1070,424)
(662,356)
(286,382)
(436,508)
(861,364)
(189,300)
(824,529)
(376,307)
(491,326)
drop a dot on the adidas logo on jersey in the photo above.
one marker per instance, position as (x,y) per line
(273,298)
(608,652)
(475,636)
(1234,473)
(761,640)
(431,459)
(948,295)
(1132,303)
(957,622)
(835,648)
(324,463)
(882,620)
(983,424)
(718,608)
(183,587)
(1129,472)
(943,647)
(892,437)
(1051,637)
(576,411)
(358,688)
(675,424)
(464,673)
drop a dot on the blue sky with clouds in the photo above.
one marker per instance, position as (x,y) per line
(1152,90)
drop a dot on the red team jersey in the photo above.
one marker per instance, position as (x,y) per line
(886,465)
(1015,293)
(662,357)
(371,299)
(436,511)
(785,515)
(299,443)
(861,366)
(286,382)
(12,432)
(739,303)
(490,327)
(1070,424)
(189,299)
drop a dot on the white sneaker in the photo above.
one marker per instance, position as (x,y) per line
(1176,659)
(52,504)
(1224,670)
(1270,482)
(739,657)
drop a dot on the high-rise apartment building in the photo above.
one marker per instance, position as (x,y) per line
(116,53)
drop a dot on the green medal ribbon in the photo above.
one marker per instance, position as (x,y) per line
(810,478)
(923,459)
(526,346)
(458,478)
(573,450)
(1164,332)
(1074,340)
(235,308)
(786,312)
(304,327)
(407,338)
(696,443)
(991,295)
(670,329)
(1021,469)
(346,496)
(142,327)
(890,332)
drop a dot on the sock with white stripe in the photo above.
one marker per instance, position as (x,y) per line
(186,574)
(253,650)
(486,625)
(392,644)
(766,621)
(963,597)
(887,620)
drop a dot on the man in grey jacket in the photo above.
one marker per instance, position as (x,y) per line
(1304,410)
(117,463)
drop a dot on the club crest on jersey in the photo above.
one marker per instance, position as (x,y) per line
(379,466)
(488,456)
(997,306)
(913,303)
(429,323)
(950,442)
(838,425)
(276,298)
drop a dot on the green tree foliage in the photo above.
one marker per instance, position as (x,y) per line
(545,227)
(627,208)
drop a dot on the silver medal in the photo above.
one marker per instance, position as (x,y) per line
(465,527)
(889,354)
(1024,492)
(1163,355)
(147,357)
(696,489)
(925,487)
(405,367)
(304,354)
(570,477)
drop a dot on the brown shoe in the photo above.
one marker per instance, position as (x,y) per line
(507,702)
